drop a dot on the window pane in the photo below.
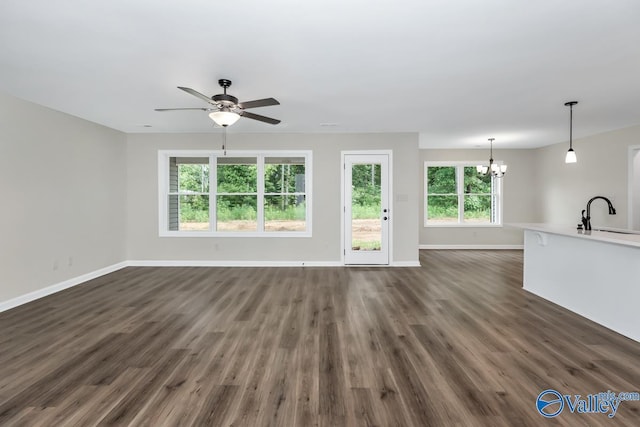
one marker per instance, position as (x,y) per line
(442,209)
(237,175)
(189,212)
(193,178)
(475,182)
(236,213)
(284,213)
(284,175)
(441,180)
(477,209)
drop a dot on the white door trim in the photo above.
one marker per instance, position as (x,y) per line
(633,149)
(343,154)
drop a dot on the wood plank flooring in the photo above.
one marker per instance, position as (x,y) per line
(456,342)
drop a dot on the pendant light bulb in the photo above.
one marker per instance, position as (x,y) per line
(571,156)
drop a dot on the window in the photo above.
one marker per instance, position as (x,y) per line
(240,194)
(457,195)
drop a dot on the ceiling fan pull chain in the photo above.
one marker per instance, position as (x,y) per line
(224,140)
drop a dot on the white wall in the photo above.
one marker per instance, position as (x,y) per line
(63,196)
(601,170)
(520,198)
(144,244)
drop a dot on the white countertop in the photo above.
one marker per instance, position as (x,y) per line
(571,231)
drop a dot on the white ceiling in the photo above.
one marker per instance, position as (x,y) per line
(457,72)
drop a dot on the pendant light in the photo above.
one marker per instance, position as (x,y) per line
(493,169)
(571,155)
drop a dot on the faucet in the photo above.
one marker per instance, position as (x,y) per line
(586,221)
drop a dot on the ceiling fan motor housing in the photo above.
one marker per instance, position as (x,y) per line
(225,100)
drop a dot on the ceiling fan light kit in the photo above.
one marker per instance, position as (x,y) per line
(224,118)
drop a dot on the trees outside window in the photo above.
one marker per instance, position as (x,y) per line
(457,195)
(243,193)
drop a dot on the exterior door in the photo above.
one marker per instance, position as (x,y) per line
(366,209)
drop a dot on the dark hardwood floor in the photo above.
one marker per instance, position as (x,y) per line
(456,342)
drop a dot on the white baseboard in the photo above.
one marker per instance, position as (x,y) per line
(32,296)
(472,247)
(209,263)
(406,264)
(40,293)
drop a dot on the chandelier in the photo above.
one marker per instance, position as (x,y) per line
(493,169)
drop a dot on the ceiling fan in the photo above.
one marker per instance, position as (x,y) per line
(225,109)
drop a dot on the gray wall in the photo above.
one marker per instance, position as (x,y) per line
(63,196)
(602,169)
(143,242)
(520,193)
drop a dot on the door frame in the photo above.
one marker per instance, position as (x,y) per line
(389,154)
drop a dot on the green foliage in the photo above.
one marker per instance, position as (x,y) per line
(441,180)
(475,183)
(290,213)
(233,178)
(435,211)
(281,178)
(365,211)
(442,198)
(236,178)
(365,180)
(193,178)
(226,213)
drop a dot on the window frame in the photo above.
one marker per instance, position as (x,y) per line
(164,157)
(460,165)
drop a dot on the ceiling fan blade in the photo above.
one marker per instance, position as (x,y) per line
(259,118)
(196,93)
(258,103)
(180,109)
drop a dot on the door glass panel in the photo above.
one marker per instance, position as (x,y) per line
(366,209)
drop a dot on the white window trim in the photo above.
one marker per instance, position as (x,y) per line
(459,184)
(163,191)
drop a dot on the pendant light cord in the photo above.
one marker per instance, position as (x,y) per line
(571,126)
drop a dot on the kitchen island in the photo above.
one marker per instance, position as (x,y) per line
(593,273)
